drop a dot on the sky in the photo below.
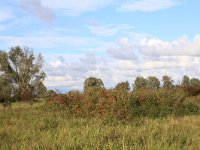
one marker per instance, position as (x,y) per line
(114,40)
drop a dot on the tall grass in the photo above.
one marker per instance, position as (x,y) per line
(35,128)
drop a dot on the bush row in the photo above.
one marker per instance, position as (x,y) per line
(124,104)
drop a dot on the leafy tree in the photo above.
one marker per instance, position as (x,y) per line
(123,86)
(185,85)
(153,82)
(195,82)
(139,83)
(93,82)
(194,87)
(22,71)
(186,81)
(167,82)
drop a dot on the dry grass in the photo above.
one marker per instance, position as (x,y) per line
(31,127)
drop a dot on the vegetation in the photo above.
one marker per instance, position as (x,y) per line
(147,99)
(34,127)
(124,86)
(21,77)
(92,82)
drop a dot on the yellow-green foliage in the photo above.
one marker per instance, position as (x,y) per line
(30,127)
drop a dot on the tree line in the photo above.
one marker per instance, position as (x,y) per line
(190,86)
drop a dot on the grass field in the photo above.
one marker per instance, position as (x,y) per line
(32,127)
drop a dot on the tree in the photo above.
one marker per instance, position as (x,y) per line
(139,83)
(22,71)
(194,87)
(123,86)
(167,82)
(153,82)
(185,82)
(93,82)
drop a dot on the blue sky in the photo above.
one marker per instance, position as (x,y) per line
(115,40)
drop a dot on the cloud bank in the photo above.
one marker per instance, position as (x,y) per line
(126,59)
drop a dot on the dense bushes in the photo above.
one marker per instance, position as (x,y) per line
(160,103)
(93,102)
(149,101)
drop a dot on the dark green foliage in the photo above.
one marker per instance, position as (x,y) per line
(153,82)
(167,82)
(194,88)
(191,87)
(140,83)
(161,103)
(92,82)
(123,86)
(5,93)
(187,109)
(186,81)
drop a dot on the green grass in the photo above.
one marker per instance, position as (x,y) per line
(21,105)
(27,127)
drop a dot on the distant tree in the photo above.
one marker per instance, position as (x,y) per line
(139,83)
(167,82)
(195,82)
(186,81)
(185,84)
(93,82)
(22,71)
(194,87)
(123,86)
(153,82)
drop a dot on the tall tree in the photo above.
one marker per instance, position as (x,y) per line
(139,83)
(185,82)
(123,86)
(167,82)
(93,82)
(153,82)
(22,70)
(194,87)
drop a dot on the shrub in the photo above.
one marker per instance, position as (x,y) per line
(58,101)
(74,101)
(160,103)
(120,103)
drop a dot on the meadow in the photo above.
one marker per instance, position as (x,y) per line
(25,126)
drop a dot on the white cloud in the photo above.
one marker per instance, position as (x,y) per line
(36,7)
(147,5)
(76,7)
(181,46)
(122,50)
(62,72)
(108,30)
